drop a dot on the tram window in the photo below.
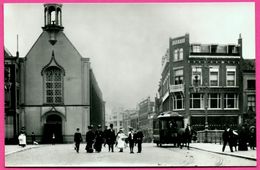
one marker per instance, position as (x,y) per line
(164,124)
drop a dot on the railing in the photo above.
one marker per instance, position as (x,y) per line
(213,136)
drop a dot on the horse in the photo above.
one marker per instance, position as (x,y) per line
(184,137)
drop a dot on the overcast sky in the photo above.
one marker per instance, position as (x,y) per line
(125,42)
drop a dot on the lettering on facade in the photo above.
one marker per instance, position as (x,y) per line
(178,41)
(177,88)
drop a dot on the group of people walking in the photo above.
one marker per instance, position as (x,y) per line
(95,139)
(242,139)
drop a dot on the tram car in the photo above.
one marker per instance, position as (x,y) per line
(166,126)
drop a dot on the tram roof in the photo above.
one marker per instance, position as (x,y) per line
(169,114)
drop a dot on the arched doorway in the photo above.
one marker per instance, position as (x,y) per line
(53,126)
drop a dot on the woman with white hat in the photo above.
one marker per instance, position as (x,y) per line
(121,140)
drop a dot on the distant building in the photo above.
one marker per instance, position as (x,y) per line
(126,119)
(202,81)
(134,119)
(58,90)
(145,119)
(12,97)
(249,92)
(116,118)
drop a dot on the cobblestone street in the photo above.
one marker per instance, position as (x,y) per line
(64,156)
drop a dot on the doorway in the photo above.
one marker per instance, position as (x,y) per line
(53,127)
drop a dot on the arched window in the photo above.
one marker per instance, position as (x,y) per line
(53,85)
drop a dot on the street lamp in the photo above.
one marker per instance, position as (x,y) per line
(196,89)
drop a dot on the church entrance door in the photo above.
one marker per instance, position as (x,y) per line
(53,127)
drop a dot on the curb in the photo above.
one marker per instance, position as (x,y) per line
(228,154)
(21,150)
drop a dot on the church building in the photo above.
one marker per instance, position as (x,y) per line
(59,91)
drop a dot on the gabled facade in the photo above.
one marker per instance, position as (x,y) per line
(59,91)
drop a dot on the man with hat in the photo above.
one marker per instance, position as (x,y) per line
(111,138)
(77,139)
(139,140)
(131,139)
(98,139)
(90,137)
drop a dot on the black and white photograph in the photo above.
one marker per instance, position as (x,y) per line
(130,84)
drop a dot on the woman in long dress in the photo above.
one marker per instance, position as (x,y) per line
(121,140)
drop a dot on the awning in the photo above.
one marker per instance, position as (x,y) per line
(169,114)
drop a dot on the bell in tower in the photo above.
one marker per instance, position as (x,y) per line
(52,20)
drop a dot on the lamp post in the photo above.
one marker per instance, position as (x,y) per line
(205,87)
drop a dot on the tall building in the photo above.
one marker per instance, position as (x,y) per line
(202,82)
(59,92)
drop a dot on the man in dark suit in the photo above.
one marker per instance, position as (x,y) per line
(110,138)
(98,139)
(131,140)
(226,136)
(90,137)
(77,139)
(139,140)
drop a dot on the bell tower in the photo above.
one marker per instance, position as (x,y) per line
(52,20)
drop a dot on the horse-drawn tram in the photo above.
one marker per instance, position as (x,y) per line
(166,127)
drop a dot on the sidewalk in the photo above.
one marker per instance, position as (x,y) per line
(9,149)
(217,148)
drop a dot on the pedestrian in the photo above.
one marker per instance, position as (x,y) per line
(22,139)
(131,139)
(34,142)
(242,139)
(90,137)
(98,139)
(193,134)
(139,140)
(252,137)
(77,139)
(53,139)
(226,139)
(121,140)
(105,134)
(111,138)
(234,139)
(187,136)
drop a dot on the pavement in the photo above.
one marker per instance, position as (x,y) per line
(209,147)
(217,148)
